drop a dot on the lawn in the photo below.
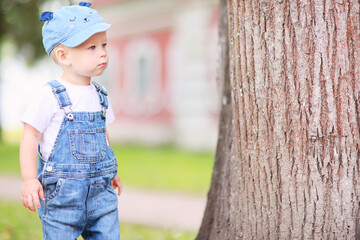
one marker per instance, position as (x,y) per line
(162,168)
(20,224)
(9,160)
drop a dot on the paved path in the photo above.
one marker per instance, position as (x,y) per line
(156,209)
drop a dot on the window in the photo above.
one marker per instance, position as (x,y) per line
(142,83)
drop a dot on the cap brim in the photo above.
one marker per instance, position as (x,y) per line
(85,34)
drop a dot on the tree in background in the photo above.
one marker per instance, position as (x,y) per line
(20,25)
(287,163)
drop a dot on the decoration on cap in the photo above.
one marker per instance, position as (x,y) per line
(85,4)
(46,16)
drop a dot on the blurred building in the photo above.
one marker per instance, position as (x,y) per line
(162,74)
(161,78)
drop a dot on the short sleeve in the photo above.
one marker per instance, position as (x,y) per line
(110,116)
(41,109)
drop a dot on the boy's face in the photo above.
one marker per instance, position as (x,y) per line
(90,58)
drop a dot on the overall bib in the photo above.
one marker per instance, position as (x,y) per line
(77,176)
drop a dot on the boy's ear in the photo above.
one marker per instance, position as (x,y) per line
(62,55)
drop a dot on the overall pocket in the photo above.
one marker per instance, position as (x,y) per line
(88,144)
(52,187)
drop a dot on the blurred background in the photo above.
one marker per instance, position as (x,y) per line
(162,85)
(161,78)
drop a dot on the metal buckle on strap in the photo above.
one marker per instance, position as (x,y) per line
(70,116)
(68,113)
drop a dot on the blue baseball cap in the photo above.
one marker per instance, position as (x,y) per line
(71,26)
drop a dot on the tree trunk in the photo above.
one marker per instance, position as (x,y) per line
(287,160)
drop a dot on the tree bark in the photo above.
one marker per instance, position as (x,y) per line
(287,162)
(220,215)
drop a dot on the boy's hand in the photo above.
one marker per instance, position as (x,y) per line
(116,183)
(31,191)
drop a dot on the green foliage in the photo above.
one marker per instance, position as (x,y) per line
(20,24)
(18,223)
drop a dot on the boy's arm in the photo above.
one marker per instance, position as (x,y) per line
(116,183)
(32,188)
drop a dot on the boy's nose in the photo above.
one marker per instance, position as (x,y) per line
(103,52)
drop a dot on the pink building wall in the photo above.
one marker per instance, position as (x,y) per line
(162,74)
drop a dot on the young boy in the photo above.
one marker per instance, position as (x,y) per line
(65,124)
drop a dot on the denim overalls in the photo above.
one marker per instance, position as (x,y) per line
(77,176)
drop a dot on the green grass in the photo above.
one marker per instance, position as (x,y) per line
(160,168)
(21,224)
(164,168)
(135,232)
(18,223)
(9,160)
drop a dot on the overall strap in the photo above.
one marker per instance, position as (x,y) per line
(62,97)
(103,97)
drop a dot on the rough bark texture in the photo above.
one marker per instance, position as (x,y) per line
(221,215)
(287,164)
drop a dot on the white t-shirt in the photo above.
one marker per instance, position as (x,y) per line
(45,115)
